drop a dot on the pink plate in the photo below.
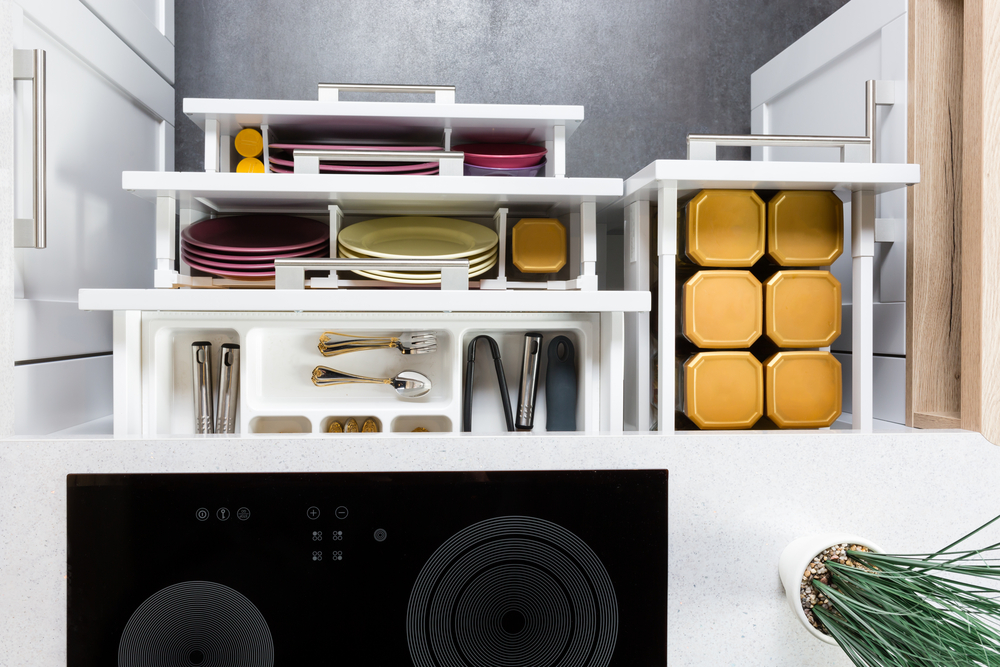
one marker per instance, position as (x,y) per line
(422,172)
(362,169)
(200,254)
(211,265)
(256,234)
(329,147)
(506,156)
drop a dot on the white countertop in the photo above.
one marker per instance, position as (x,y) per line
(735,501)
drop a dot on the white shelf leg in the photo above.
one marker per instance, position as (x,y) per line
(165,275)
(126,367)
(862,251)
(211,145)
(612,371)
(666,250)
(226,154)
(555,156)
(588,246)
(636,262)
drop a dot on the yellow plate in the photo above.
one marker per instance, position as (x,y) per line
(475,263)
(378,275)
(538,245)
(407,237)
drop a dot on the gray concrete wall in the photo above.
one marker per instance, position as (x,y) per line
(646,71)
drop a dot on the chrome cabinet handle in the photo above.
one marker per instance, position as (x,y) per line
(29,65)
(330,92)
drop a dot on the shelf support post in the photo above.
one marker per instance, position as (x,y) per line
(126,367)
(862,252)
(666,251)
(211,145)
(636,262)
(164,275)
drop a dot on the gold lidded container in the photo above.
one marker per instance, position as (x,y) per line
(722,309)
(721,390)
(802,308)
(805,228)
(724,228)
(803,389)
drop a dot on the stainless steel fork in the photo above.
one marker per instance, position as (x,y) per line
(415,342)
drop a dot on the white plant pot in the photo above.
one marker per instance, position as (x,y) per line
(796,557)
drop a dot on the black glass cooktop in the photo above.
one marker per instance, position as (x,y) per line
(464,569)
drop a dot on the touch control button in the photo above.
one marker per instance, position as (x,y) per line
(222,514)
(202,514)
(341,512)
(243,514)
(380,535)
(313,512)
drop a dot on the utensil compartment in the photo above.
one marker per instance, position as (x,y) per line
(280,350)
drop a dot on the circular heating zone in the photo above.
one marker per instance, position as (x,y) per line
(512,591)
(196,624)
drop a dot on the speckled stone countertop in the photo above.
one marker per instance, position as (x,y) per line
(735,501)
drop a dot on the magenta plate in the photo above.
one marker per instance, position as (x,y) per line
(422,172)
(256,234)
(361,169)
(505,156)
(329,147)
(201,254)
(211,265)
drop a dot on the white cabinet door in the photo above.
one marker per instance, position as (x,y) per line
(110,107)
(817,87)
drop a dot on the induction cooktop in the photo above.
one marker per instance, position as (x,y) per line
(443,569)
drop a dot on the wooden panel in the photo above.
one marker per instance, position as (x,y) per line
(937,420)
(981,215)
(934,209)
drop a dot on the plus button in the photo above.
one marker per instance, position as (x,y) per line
(312,512)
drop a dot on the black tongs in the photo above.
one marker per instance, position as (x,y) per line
(470,370)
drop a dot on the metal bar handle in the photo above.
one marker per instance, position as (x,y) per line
(330,92)
(290,273)
(29,65)
(379,156)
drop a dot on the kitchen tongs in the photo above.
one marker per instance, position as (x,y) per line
(470,370)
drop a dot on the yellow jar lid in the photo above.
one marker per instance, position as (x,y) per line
(723,390)
(804,389)
(248,142)
(802,308)
(538,245)
(722,309)
(805,228)
(725,228)
(250,165)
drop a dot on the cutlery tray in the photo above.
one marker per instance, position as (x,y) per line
(279,352)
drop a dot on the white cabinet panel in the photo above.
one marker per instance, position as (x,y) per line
(890,374)
(58,395)
(888,329)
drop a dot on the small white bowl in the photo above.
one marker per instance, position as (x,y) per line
(797,556)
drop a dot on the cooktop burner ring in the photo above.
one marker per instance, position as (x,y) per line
(196,624)
(506,572)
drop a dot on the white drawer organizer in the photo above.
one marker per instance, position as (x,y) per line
(655,190)
(278,323)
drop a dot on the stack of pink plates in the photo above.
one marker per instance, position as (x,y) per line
(245,246)
(502,157)
(282,160)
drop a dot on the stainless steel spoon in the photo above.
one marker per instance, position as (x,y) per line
(408,384)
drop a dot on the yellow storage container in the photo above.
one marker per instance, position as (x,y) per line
(802,308)
(805,228)
(724,228)
(722,390)
(804,389)
(722,309)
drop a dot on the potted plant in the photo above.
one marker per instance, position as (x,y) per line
(935,609)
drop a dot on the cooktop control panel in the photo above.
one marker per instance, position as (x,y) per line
(456,569)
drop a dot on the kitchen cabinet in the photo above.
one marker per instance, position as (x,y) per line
(109,71)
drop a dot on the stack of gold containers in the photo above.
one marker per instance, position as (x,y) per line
(754,344)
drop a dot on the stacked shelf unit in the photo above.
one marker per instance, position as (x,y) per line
(651,197)
(277,324)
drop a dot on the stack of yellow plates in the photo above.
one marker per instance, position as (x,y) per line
(419,237)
